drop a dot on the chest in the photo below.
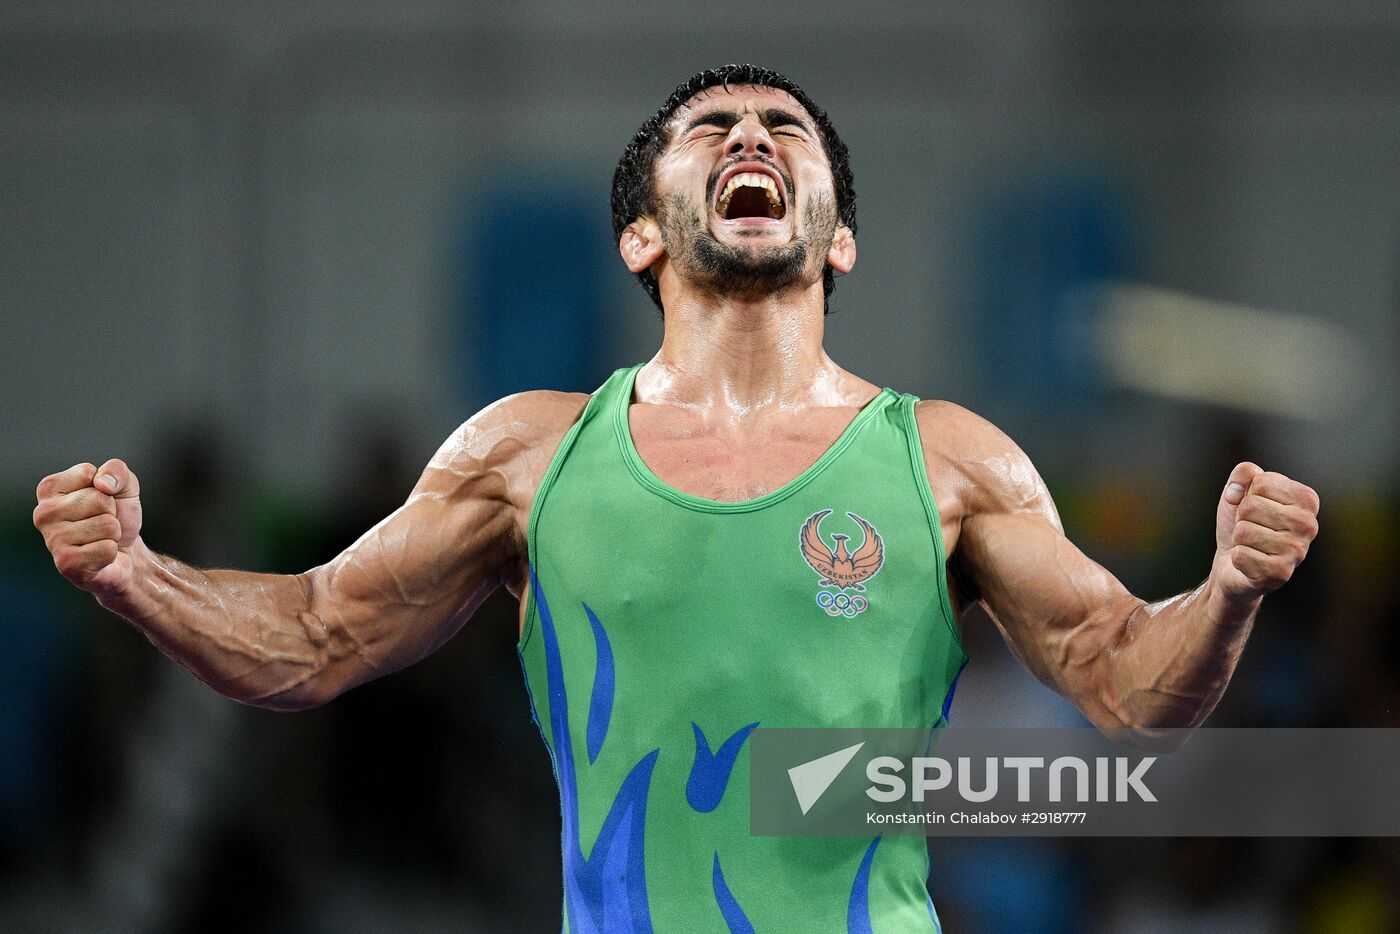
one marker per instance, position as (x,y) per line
(732,463)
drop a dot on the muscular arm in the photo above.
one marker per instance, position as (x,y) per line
(287,642)
(1157,669)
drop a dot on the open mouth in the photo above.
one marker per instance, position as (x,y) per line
(751,194)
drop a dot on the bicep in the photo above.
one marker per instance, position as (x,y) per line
(410,582)
(1060,612)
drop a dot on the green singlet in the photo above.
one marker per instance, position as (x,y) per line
(661,628)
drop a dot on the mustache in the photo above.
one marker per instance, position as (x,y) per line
(713,180)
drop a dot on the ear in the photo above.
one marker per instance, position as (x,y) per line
(640,244)
(842,255)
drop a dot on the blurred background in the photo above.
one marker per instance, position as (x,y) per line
(273,254)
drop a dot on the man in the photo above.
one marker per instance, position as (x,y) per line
(738,533)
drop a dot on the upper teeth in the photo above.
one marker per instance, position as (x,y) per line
(754,179)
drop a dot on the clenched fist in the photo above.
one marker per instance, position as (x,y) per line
(1263,527)
(90,518)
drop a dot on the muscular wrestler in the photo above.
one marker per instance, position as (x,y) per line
(736,533)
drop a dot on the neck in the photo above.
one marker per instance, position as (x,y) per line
(743,355)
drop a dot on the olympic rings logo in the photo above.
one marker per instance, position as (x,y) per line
(839,603)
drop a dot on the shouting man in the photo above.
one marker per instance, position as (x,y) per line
(736,533)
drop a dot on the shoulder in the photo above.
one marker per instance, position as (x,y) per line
(512,426)
(537,414)
(961,438)
(981,469)
(496,459)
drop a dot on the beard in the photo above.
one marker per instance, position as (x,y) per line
(739,271)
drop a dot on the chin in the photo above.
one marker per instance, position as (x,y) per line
(771,233)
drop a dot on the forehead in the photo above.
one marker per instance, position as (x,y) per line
(741,98)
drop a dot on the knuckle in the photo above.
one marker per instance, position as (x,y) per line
(1255,575)
(53,518)
(1245,562)
(93,502)
(57,535)
(65,559)
(86,529)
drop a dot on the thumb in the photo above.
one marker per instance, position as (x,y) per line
(115,478)
(1235,489)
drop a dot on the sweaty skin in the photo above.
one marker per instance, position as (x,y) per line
(740,399)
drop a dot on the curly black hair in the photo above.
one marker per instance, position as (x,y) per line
(634,181)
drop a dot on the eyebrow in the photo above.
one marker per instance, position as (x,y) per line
(772,118)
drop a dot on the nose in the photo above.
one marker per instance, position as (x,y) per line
(749,136)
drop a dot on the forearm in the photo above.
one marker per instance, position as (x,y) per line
(1172,660)
(252,637)
(1156,669)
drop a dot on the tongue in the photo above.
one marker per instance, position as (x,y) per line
(747,201)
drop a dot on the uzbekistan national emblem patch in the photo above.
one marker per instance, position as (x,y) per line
(842,570)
